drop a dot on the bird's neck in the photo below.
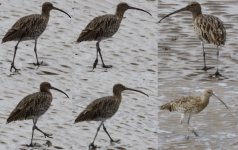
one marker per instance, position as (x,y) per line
(45,13)
(117,95)
(196,14)
(205,100)
(120,13)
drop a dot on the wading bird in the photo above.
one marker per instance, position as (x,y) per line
(189,105)
(30,28)
(104,27)
(104,108)
(33,106)
(209,28)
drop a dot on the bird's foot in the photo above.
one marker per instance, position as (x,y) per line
(216,75)
(13,67)
(48,135)
(187,137)
(30,145)
(194,132)
(106,66)
(205,68)
(115,141)
(92,146)
(38,64)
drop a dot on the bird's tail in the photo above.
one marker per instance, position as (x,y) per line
(167,106)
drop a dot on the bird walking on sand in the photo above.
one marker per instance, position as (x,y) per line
(104,108)
(30,28)
(189,105)
(209,28)
(104,27)
(33,106)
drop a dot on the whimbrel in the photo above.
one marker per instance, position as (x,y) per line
(33,106)
(104,27)
(30,28)
(104,108)
(209,29)
(190,105)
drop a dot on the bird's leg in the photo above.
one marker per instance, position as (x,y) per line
(35,50)
(45,134)
(205,68)
(182,117)
(15,51)
(99,51)
(217,74)
(96,60)
(104,128)
(191,129)
(33,128)
(92,144)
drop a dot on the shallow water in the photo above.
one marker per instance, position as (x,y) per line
(67,66)
(180,57)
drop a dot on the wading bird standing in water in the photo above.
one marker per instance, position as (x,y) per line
(189,105)
(33,106)
(209,29)
(104,108)
(104,27)
(30,28)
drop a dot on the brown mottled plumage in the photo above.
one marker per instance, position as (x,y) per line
(188,105)
(104,108)
(30,28)
(209,29)
(33,106)
(103,27)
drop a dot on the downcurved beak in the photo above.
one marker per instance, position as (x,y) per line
(221,101)
(137,91)
(59,91)
(62,11)
(139,10)
(182,9)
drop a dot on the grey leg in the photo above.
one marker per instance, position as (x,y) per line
(217,74)
(92,144)
(104,128)
(13,61)
(100,54)
(35,50)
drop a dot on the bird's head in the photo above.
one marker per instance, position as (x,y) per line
(193,7)
(209,92)
(47,7)
(122,7)
(118,88)
(46,86)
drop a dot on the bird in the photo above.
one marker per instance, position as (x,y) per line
(190,105)
(30,28)
(104,108)
(33,106)
(104,27)
(209,29)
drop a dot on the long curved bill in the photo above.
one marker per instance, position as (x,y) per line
(221,101)
(137,91)
(139,10)
(62,11)
(182,9)
(59,91)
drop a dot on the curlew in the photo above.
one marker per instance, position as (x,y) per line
(189,105)
(30,28)
(209,28)
(104,27)
(33,106)
(104,108)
